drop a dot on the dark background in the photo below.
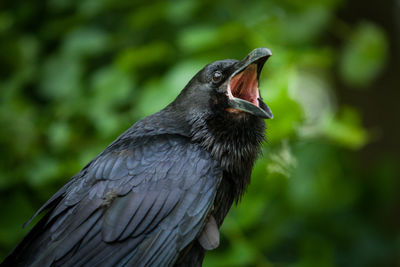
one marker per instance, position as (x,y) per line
(75,74)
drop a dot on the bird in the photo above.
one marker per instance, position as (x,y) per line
(159,193)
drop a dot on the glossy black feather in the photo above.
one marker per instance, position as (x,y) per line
(146,198)
(156,208)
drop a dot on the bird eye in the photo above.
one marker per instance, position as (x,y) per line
(217,76)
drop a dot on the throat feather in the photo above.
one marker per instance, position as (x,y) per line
(235,145)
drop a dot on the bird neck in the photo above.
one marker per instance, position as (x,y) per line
(235,143)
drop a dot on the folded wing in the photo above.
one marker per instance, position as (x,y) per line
(139,204)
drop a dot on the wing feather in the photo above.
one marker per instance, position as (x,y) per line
(137,204)
(118,217)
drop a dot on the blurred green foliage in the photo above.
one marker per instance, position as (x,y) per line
(75,74)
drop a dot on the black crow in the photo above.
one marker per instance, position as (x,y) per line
(158,194)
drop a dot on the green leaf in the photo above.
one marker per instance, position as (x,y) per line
(346,129)
(364,55)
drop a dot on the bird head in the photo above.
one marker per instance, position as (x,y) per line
(230,87)
(221,108)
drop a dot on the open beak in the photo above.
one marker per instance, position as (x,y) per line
(243,93)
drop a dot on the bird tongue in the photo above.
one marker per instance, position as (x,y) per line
(245,85)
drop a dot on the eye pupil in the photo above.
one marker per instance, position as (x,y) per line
(217,76)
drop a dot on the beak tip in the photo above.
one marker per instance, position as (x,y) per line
(243,105)
(269,115)
(261,52)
